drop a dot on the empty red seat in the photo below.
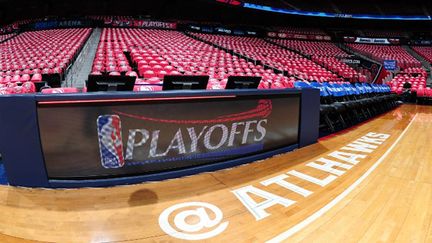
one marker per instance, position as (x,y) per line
(115,74)
(149,74)
(29,87)
(420,92)
(154,80)
(161,74)
(16,78)
(132,74)
(124,69)
(36,77)
(25,78)
(59,90)
(95,73)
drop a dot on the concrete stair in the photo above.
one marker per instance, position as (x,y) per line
(81,68)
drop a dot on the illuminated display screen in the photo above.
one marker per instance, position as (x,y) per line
(230,2)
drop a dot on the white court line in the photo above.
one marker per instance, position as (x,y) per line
(296,228)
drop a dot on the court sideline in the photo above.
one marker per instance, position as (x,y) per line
(391,204)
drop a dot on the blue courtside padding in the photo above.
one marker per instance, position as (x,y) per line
(301,84)
(340,90)
(323,90)
(330,90)
(3,177)
(22,150)
(309,117)
(360,88)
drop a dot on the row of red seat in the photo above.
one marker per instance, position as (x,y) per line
(14,88)
(5,37)
(30,88)
(36,77)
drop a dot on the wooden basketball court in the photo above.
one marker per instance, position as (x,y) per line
(370,183)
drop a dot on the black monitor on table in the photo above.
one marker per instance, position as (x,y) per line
(110,83)
(243,82)
(182,82)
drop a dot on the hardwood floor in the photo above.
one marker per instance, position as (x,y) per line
(377,186)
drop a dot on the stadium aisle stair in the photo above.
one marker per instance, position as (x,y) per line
(82,67)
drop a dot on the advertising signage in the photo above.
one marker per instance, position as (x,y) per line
(108,140)
(286,35)
(142,24)
(350,61)
(155,24)
(382,41)
(372,40)
(222,30)
(60,24)
(390,65)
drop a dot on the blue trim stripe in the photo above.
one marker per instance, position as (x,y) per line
(335,15)
(211,155)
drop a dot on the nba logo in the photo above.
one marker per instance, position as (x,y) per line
(110,141)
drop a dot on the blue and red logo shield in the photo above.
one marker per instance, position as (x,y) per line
(110,141)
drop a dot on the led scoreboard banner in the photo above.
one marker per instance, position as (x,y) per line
(335,15)
(122,138)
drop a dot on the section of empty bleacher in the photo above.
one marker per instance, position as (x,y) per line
(424,51)
(156,53)
(30,55)
(326,54)
(387,52)
(270,54)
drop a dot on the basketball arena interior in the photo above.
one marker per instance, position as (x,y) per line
(215,121)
